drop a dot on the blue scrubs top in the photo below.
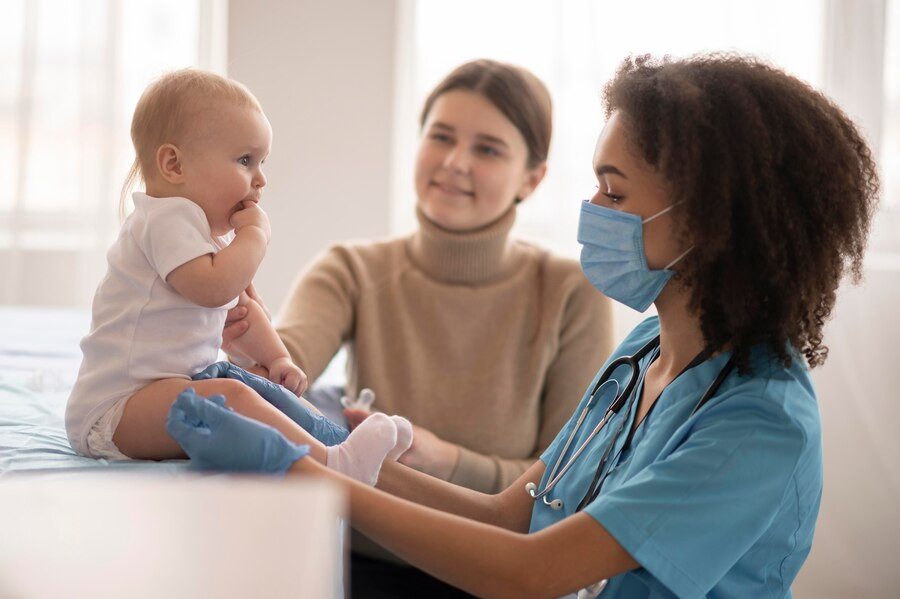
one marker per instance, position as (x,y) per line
(719,504)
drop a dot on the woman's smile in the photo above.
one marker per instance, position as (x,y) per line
(469,150)
(451,189)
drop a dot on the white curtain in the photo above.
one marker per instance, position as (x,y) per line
(854,552)
(887,233)
(70,74)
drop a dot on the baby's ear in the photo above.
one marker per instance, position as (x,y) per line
(169,163)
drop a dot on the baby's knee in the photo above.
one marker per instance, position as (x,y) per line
(238,396)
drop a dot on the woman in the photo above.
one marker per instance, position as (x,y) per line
(758,192)
(459,327)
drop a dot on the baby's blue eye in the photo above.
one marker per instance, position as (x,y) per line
(244,160)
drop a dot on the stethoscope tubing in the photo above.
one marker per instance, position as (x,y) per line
(554,477)
(616,405)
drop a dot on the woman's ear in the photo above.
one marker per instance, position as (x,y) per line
(533,178)
(169,163)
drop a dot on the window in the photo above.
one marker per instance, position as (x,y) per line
(71,75)
(887,232)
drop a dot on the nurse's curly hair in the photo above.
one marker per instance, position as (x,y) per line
(778,189)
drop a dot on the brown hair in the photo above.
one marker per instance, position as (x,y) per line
(514,91)
(168,110)
(778,190)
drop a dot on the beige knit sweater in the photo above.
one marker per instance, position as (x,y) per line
(487,342)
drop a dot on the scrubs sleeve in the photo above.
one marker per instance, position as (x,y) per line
(689,517)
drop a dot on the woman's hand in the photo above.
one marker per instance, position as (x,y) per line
(235,327)
(254,295)
(428,453)
(236,324)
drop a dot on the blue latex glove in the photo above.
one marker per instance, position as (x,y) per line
(217,438)
(327,432)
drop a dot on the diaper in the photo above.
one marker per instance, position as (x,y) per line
(100,438)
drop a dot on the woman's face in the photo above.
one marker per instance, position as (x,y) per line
(471,164)
(626,182)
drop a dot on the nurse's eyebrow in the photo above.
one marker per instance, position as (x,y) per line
(608,168)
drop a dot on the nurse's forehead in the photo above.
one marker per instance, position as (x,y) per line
(610,155)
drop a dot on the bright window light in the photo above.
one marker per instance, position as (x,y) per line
(890,139)
(575,46)
(70,76)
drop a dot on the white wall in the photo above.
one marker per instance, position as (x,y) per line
(324,73)
(854,552)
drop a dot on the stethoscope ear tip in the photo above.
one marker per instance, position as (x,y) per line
(531,489)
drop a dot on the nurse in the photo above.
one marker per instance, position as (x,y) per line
(735,198)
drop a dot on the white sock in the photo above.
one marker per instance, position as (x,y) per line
(404,437)
(361,455)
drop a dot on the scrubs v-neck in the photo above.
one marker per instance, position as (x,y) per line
(722,503)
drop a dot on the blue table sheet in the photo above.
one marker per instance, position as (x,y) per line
(39,359)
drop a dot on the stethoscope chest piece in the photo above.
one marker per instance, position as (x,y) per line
(600,390)
(620,397)
(589,592)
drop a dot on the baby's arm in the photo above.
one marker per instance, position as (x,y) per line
(263,345)
(213,280)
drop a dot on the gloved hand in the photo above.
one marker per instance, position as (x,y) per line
(327,432)
(217,438)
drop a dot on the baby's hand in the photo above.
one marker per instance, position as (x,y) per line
(285,373)
(251,215)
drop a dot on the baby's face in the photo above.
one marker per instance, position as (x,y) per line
(223,165)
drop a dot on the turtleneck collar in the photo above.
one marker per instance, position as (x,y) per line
(465,257)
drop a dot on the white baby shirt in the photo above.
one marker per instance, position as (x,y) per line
(143,330)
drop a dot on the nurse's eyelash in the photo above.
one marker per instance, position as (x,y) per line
(614,198)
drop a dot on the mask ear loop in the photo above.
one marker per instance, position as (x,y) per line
(660,213)
(657,215)
(676,260)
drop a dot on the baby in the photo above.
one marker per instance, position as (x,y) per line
(183,258)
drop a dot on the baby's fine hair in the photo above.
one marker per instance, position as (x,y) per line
(167,111)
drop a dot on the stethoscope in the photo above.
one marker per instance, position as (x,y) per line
(622,396)
(620,399)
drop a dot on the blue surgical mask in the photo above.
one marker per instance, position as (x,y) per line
(612,256)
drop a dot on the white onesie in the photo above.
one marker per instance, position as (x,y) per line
(142,330)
